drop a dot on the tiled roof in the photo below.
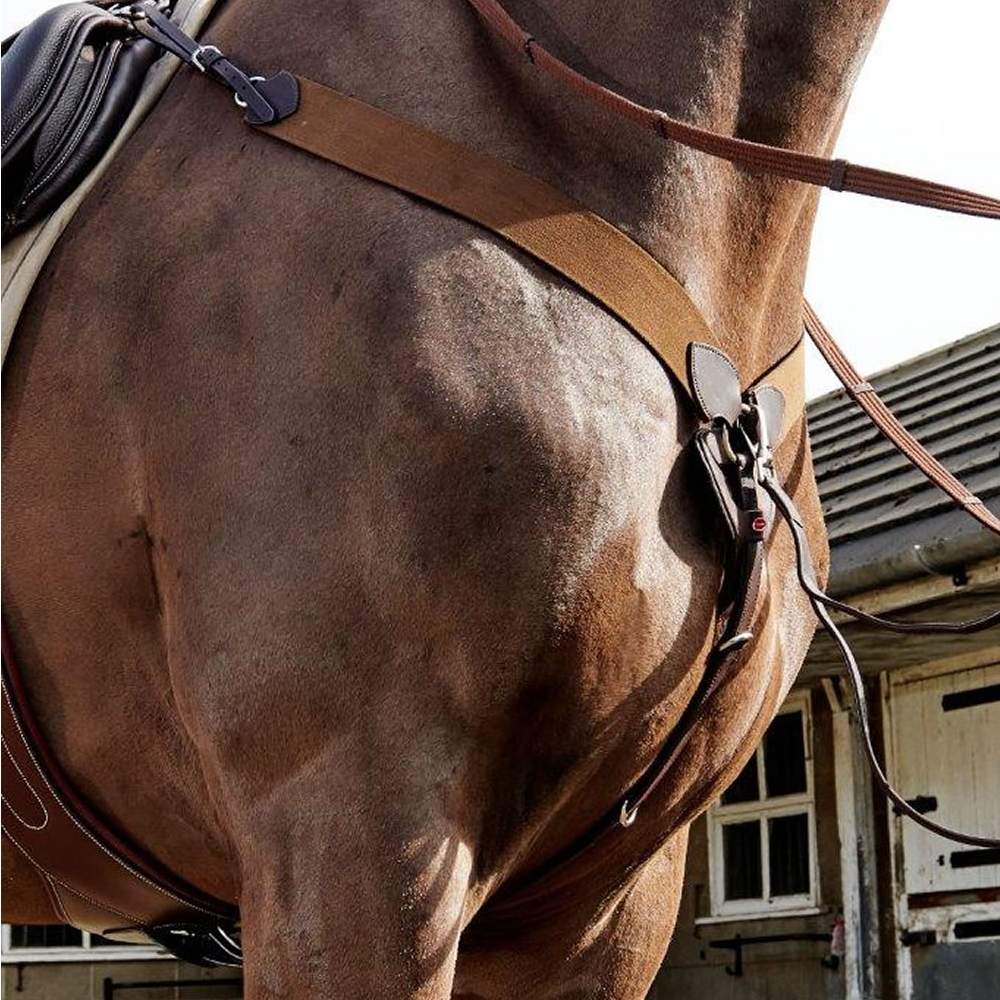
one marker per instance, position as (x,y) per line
(885,521)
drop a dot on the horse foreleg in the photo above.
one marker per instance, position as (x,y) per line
(581,954)
(341,900)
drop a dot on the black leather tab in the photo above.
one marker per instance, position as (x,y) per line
(715,383)
(771,401)
(281,92)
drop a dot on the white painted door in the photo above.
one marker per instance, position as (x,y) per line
(946,735)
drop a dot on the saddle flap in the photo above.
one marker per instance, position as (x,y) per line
(40,62)
(714,382)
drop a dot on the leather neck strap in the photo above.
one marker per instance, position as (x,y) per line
(838,175)
(537,218)
(581,246)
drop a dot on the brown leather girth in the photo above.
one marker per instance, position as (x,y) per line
(96,880)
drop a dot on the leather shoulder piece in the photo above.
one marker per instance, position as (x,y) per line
(771,401)
(714,382)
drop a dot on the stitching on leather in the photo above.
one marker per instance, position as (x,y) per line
(57,901)
(64,42)
(774,433)
(97,902)
(31,788)
(114,857)
(74,140)
(54,878)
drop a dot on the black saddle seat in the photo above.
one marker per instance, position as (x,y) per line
(69,82)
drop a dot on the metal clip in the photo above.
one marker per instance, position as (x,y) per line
(627,817)
(734,642)
(726,445)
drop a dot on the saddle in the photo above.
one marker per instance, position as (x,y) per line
(69,80)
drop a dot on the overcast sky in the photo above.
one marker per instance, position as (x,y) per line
(889,280)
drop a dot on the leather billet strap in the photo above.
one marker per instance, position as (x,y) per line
(525,211)
(265,99)
(837,175)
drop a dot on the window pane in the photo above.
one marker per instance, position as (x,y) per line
(54,936)
(741,855)
(788,854)
(785,756)
(745,787)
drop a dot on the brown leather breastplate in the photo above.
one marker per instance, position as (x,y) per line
(99,881)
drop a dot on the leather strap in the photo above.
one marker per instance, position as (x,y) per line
(820,603)
(837,175)
(864,394)
(533,215)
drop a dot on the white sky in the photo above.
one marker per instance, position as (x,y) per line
(891,281)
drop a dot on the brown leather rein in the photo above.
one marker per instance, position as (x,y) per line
(741,424)
(838,175)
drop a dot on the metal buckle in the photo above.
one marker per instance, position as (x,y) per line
(195,60)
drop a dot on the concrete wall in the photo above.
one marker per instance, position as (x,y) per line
(85,980)
(790,971)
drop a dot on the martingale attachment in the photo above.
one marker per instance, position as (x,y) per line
(734,445)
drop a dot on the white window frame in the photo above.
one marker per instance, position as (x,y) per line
(720,815)
(85,952)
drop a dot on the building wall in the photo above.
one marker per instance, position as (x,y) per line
(778,971)
(84,980)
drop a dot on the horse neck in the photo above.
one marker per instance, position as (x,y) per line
(776,73)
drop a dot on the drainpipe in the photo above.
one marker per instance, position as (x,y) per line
(856,831)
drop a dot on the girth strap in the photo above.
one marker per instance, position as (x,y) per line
(95,879)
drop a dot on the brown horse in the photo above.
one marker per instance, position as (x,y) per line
(352,557)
